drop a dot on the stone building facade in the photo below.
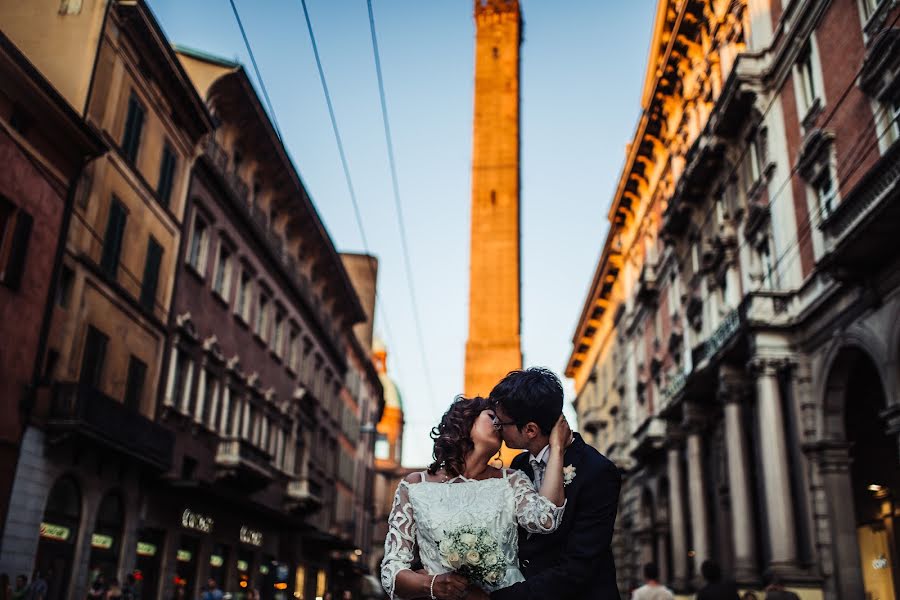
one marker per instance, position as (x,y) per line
(204,407)
(737,354)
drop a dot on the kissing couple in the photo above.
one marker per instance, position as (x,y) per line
(539,530)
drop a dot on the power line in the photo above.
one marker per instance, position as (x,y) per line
(397,204)
(350,188)
(274,118)
(259,78)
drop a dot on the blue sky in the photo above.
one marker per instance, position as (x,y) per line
(582,68)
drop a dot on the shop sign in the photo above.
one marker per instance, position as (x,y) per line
(183,556)
(264,569)
(103,542)
(54,532)
(880,563)
(216,561)
(196,521)
(146,549)
(242,565)
(250,536)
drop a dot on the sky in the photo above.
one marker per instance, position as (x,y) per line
(582,68)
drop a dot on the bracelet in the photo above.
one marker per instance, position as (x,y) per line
(431,587)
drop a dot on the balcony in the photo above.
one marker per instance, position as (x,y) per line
(81,411)
(241,463)
(721,338)
(649,438)
(648,290)
(299,496)
(861,232)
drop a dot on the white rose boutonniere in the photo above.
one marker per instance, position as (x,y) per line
(568,474)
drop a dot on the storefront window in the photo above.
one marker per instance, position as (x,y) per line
(106,538)
(218,565)
(244,574)
(321,584)
(300,583)
(147,562)
(186,564)
(59,532)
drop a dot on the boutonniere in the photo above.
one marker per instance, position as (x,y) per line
(568,474)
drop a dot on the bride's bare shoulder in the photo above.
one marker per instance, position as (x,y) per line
(416,477)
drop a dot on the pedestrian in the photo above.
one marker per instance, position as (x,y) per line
(715,588)
(652,589)
(254,594)
(212,591)
(97,590)
(5,587)
(749,596)
(347,595)
(114,591)
(21,590)
(38,588)
(775,590)
(129,590)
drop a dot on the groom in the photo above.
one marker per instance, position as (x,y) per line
(575,562)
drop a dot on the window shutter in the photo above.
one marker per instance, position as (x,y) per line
(166,175)
(151,274)
(15,265)
(93,358)
(134,124)
(112,241)
(137,372)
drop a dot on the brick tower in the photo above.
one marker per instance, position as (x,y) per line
(494,347)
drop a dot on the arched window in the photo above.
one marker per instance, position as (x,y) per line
(58,536)
(106,538)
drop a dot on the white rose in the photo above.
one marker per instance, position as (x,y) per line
(473,557)
(446,546)
(468,539)
(490,559)
(454,559)
(492,577)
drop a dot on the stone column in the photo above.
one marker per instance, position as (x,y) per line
(775,467)
(732,391)
(676,513)
(169,397)
(697,493)
(201,396)
(832,461)
(662,552)
(226,409)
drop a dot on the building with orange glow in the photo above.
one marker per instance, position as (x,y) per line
(737,352)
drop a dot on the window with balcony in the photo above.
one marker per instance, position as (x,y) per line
(150,280)
(134,127)
(112,240)
(64,287)
(167,167)
(768,266)
(15,231)
(134,385)
(262,317)
(93,357)
(199,245)
(222,277)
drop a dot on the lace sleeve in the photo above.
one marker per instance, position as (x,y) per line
(534,513)
(400,543)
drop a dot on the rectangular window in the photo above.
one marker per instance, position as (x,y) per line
(222,279)
(293,349)
(112,241)
(825,194)
(278,337)
(134,126)
(199,243)
(245,289)
(808,91)
(166,174)
(93,357)
(134,386)
(209,397)
(262,317)
(15,231)
(64,287)
(151,274)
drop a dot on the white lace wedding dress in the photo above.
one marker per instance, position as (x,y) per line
(424,510)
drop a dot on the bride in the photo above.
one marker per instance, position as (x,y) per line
(459,518)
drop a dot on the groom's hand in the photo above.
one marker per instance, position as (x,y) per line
(476,593)
(449,586)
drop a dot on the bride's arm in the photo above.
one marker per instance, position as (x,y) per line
(552,484)
(397,578)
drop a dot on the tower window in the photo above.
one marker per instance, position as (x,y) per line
(493,197)
(496,52)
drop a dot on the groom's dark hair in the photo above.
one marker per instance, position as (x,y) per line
(533,395)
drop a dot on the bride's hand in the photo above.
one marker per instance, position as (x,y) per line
(561,434)
(450,586)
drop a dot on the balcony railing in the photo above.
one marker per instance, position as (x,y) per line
(723,334)
(237,459)
(299,495)
(84,411)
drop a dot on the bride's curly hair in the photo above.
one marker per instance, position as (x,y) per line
(452,436)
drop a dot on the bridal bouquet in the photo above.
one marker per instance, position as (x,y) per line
(475,554)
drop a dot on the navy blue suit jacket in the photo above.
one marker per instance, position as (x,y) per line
(575,562)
